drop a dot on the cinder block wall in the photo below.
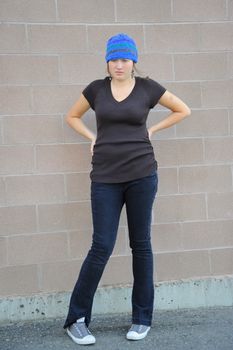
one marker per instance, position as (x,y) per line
(49,51)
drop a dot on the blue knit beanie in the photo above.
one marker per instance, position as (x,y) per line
(121,46)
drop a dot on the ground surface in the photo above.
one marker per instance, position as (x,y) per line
(183,329)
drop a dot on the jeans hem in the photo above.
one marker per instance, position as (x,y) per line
(141,322)
(70,322)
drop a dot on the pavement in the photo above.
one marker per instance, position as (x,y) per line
(171,330)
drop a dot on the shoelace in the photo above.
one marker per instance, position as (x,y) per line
(138,328)
(82,329)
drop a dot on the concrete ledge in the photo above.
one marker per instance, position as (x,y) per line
(211,292)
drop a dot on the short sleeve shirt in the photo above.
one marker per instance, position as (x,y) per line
(123,151)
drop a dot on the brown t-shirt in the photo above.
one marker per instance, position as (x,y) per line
(123,151)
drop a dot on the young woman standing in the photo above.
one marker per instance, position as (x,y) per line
(124,172)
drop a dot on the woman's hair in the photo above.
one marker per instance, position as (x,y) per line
(139,72)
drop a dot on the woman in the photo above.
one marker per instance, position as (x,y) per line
(124,171)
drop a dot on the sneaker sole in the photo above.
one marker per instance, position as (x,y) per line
(81,341)
(135,336)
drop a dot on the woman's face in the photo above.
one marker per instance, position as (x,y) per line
(120,69)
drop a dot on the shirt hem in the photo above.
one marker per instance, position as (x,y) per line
(95,178)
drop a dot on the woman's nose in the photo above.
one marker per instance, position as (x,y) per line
(119,64)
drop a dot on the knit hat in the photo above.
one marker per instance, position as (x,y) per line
(121,46)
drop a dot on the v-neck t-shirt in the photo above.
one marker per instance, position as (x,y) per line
(123,151)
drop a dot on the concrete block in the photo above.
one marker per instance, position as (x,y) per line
(204,123)
(79,243)
(78,186)
(183,37)
(82,68)
(178,152)
(182,265)
(200,66)
(3,251)
(118,271)
(13,38)
(197,10)
(189,92)
(33,69)
(222,261)
(28,11)
(63,158)
(216,36)
(157,65)
(207,234)
(176,208)
(231,121)
(86,11)
(168,181)
(217,94)
(37,248)
(205,179)
(219,150)
(62,217)
(55,99)
(146,11)
(18,280)
(15,99)
(34,189)
(57,38)
(166,237)
(18,220)
(230,9)
(32,129)
(2,192)
(220,205)
(59,276)
(16,159)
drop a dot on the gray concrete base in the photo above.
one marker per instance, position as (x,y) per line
(211,292)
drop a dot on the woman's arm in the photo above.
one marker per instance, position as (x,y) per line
(179,111)
(73,118)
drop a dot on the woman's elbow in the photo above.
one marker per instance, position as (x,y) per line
(186,111)
(68,119)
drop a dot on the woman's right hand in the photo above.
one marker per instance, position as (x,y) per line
(92,146)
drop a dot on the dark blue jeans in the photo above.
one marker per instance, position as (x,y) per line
(107,200)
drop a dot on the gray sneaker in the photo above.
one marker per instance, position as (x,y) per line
(80,334)
(137,332)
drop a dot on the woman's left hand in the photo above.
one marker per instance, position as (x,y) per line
(92,145)
(149,134)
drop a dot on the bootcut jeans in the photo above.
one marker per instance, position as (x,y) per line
(107,200)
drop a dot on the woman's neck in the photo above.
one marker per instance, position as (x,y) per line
(123,83)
